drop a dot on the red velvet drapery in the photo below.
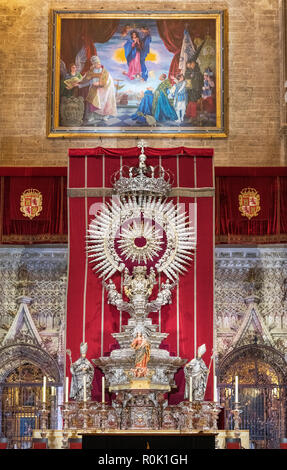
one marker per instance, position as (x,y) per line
(50,226)
(77,33)
(171,33)
(270,225)
(189,319)
(282,188)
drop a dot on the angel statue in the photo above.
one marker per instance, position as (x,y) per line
(163,297)
(80,369)
(138,287)
(198,371)
(115,298)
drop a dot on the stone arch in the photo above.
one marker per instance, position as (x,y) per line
(262,377)
(266,354)
(12,356)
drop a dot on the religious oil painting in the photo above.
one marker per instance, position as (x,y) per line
(27,424)
(137,74)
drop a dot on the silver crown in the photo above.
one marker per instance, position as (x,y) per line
(143,179)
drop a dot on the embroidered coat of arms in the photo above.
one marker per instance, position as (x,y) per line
(31,203)
(249,202)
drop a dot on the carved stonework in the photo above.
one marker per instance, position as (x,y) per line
(250,298)
(263,354)
(12,356)
(32,306)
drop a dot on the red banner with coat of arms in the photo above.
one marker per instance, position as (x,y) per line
(251,205)
(33,205)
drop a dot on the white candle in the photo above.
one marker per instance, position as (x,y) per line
(53,391)
(190,388)
(44,388)
(67,390)
(236,389)
(85,387)
(215,396)
(103,389)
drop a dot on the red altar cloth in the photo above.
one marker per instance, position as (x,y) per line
(189,319)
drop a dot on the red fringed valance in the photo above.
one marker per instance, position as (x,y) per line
(50,224)
(135,151)
(270,223)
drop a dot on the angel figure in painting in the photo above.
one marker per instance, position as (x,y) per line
(69,79)
(142,354)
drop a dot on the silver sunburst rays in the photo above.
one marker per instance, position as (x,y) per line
(134,230)
(140,241)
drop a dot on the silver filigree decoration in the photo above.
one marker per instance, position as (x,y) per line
(167,240)
(140,241)
(138,288)
(144,179)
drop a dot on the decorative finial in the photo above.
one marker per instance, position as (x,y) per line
(142,144)
(142,158)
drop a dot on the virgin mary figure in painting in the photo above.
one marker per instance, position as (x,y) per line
(133,48)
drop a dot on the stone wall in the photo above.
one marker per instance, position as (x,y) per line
(253,75)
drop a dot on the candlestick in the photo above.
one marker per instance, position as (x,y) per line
(215,394)
(44,388)
(190,388)
(67,390)
(85,387)
(103,389)
(236,389)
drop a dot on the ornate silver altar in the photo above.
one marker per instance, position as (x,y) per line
(118,367)
(141,234)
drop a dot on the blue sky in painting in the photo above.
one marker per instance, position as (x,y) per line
(160,63)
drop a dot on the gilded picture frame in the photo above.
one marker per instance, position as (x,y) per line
(138,74)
